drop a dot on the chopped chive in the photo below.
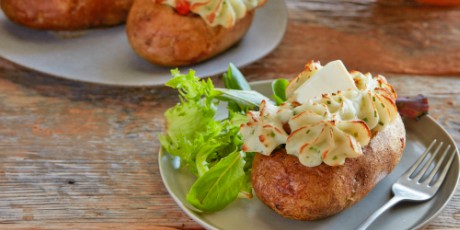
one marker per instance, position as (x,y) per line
(365,119)
(308,131)
(314,149)
(375,113)
(373,98)
(334,158)
(382,105)
(381,123)
(328,102)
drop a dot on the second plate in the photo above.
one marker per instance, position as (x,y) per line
(104,56)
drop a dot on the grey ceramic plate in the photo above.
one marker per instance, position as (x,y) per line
(252,214)
(104,56)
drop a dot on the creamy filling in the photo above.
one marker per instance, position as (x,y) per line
(215,12)
(329,127)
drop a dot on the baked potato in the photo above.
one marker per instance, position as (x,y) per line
(66,15)
(163,36)
(334,138)
(309,193)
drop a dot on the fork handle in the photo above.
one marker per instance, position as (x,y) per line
(364,225)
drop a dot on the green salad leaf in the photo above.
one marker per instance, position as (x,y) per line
(221,185)
(279,90)
(241,100)
(190,124)
(234,79)
(210,148)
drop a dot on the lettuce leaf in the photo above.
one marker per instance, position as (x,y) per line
(190,124)
(221,185)
(234,79)
(210,148)
(279,90)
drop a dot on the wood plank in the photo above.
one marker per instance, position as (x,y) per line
(375,36)
(85,156)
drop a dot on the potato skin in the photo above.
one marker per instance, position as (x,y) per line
(66,15)
(295,191)
(163,37)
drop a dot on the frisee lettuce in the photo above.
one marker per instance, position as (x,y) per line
(210,148)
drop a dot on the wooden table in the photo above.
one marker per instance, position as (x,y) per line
(85,156)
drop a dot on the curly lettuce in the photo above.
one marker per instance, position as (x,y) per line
(209,147)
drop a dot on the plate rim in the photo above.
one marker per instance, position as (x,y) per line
(420,225)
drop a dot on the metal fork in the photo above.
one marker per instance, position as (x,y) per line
(413,185)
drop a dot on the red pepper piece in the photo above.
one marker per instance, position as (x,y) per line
(182,7)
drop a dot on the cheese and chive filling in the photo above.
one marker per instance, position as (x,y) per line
(329,116)
(215,12)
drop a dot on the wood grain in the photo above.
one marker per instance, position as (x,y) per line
(381,37)
(75,153)
(84,156)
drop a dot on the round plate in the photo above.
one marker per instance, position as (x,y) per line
(252,214)
(104,56)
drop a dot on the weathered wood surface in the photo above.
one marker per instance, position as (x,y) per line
(84,156)
(392,36)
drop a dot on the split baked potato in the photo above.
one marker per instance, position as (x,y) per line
(309,193)
(163,36)
(337,134)
(66,15)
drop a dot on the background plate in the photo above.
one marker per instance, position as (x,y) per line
(252,214)
(104,56)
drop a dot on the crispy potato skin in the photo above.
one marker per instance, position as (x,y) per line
(163,37)
(66,15)
(298,192)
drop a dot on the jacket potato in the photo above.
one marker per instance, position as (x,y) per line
(309,193)
(324,149)
(66,15)
(168,36)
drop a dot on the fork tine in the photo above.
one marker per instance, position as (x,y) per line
(438,165)
(411,170)
(428,163)
(444,171)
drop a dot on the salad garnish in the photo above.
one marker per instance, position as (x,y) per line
(211,147)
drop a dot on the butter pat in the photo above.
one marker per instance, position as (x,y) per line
(331,78)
